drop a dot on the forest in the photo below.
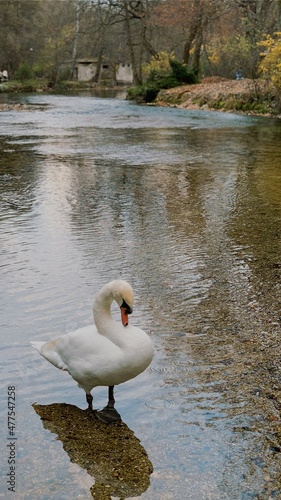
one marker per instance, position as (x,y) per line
(212,37)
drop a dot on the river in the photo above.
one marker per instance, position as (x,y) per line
(186,206)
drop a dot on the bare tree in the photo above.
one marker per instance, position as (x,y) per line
(76,36)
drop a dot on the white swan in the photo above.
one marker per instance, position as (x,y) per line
(106,354)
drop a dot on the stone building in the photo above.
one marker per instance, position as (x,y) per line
(85,70)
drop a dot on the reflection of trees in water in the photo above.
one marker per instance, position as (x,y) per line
(111,454)
(150,217)
(17,178)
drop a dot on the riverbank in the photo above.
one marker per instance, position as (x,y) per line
(252,97)
(43,86)
(220,94)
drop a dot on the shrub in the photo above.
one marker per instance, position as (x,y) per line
(24,72)
(150,92)
(162,76)
(182,73)
(158,67)
(135,92)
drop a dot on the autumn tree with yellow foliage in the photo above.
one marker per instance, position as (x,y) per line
(270,65)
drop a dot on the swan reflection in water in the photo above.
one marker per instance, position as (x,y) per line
(111,454)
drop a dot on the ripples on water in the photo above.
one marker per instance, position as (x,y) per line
(94,189)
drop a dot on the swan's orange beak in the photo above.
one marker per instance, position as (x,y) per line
(125,311)
(124,316)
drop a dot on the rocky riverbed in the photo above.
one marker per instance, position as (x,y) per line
(15,106)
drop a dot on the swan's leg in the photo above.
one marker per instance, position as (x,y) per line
(89,399)
(111,400)
(109,415)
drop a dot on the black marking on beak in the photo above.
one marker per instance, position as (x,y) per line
(129,310)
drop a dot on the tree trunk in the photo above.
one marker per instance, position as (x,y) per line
(187,47)
(97,76)
(197,52)
(195,36)
(278,15)
(136,77)
(75,43)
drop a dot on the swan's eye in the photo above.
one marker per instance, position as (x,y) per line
(124,305)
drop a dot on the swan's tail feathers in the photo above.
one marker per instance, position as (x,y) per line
(38,345)
(49,351)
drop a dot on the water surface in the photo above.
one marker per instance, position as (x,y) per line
(185,205)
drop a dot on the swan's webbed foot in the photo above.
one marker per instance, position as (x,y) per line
(108,415)
(89,399)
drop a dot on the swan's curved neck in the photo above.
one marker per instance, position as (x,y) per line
(101,312)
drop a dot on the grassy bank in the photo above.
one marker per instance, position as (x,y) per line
(44,85)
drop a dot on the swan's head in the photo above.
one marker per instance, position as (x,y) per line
(124,296)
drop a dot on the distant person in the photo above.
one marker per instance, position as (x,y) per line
(5,75)
(239,74)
